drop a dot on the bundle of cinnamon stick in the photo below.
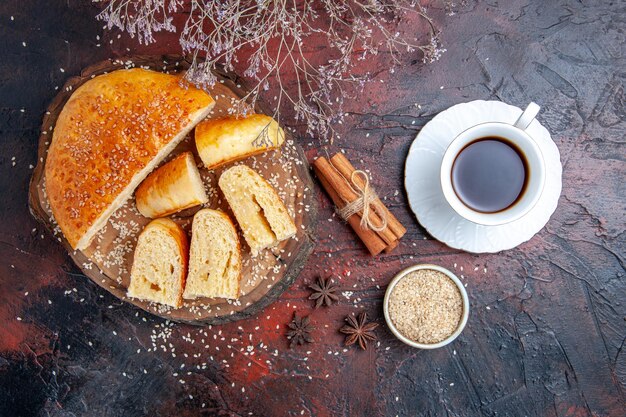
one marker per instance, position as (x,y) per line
(381,230)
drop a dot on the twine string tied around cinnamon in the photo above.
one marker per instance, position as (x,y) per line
(365,202)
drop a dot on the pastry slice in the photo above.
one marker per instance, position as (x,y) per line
(173,187)
(261,214)
(160,264)
(214,257)
(229,139)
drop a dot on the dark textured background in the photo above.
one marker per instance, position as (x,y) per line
(548,321)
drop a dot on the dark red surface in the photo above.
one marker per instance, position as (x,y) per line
(547,326)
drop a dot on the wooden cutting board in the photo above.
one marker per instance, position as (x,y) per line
(107,261)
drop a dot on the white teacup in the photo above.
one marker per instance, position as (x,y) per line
(535,174)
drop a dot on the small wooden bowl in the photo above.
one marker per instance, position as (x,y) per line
(408,341)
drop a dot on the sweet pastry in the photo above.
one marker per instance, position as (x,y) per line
(261,214)
(160,263)
(214,257)
(173,187)
(111,133)
(220,141)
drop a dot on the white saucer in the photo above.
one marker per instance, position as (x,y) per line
(424,189)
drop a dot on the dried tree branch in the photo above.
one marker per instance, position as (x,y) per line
(267,40)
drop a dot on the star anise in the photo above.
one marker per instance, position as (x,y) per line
(299,331)
(358,330)
(323,292)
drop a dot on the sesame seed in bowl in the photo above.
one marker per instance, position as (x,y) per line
(426,306)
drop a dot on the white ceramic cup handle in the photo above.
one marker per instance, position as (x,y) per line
(528,116)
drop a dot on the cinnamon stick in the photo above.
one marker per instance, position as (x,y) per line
(370,239)
(347,194)
(336,178)
(392,246)
(346,169)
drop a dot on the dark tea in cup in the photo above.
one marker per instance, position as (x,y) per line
(489,174)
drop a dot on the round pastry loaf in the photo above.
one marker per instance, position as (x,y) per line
(111,133)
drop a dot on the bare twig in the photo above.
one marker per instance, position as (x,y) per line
(267,40)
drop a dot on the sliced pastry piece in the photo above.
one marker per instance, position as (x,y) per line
(173,187)
(160,263)
(220,141)
(263,217)
(111,133)
(214,257)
